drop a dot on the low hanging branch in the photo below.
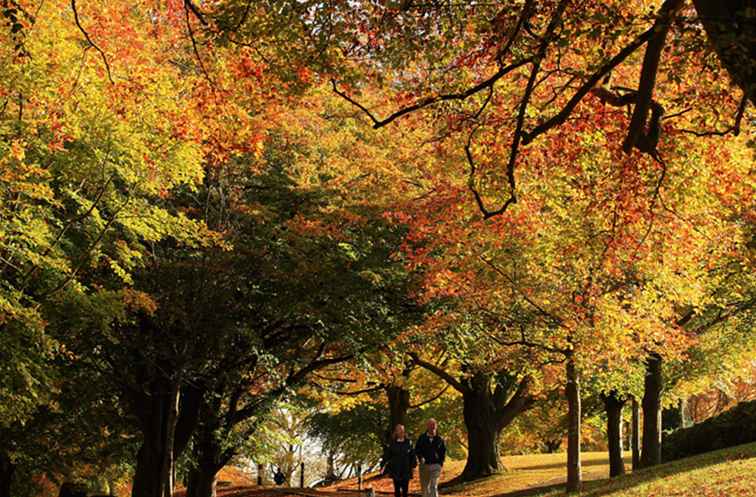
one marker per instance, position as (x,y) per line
(441,373)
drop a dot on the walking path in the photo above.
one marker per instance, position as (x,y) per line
(524,475)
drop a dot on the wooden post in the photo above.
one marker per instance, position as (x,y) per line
(260,470)
(359,476)
(301,475)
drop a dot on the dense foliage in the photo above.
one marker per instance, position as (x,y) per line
(390,210)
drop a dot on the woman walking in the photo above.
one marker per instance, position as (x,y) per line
(399,461)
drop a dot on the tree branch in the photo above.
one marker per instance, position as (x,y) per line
(427,101)
(89,40)
(648,73)
(428,401)
(589,84)
(189,6)
(520,401)
(734,129)
(444,375)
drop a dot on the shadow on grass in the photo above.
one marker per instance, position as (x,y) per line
(598,488)
(455,484)
(595,462)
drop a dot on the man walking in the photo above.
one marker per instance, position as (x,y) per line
(431,452)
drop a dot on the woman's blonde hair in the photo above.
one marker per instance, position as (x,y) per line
(396,430)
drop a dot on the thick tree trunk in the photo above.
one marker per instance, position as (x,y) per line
(262,477)
(482,430)
(330,475)
(147,479)
(486,413)
(159,428)
(7,469)
(574,470)
(398,403)
(613,404)
(651,453)
(167,470)
(209,456)
(201,482)
(635,435)
(482,448)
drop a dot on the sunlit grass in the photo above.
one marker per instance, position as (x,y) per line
(530,471)
(724,473)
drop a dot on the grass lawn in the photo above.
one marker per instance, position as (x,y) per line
(523,472)
(724,473)
(529,471)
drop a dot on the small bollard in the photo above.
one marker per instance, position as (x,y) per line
(359,476)
(301,475)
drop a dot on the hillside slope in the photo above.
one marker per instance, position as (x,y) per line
(724,473)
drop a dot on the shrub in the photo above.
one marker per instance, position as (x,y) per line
(733,427)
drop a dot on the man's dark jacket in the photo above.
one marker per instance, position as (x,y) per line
(431,449)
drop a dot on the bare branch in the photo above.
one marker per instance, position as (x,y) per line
(195,10)
(556,319)
(518,135)
(89,40)
(523,341)
(189,6)
(734,129)
(525,13)
(476,194)
(427,101)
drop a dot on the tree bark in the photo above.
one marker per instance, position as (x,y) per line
(209,454)
(613,404)
(158,428)
(486,413)
(652,420)
(7,469)
(482,433)
(730,29)
(262,477)
(635,434)
(201,482)
(572,390)
(170,435)
(398,402)
(147,481)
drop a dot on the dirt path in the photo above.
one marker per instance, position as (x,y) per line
(285,492)
(524,476)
